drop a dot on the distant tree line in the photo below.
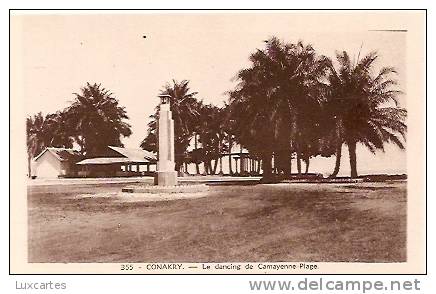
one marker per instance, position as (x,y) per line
(289,103)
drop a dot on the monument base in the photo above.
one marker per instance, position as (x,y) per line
(165,178)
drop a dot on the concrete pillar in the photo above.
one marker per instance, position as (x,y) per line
(166,174)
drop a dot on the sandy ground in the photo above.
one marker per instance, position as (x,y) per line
(364,222)
(141,197)
(126,180)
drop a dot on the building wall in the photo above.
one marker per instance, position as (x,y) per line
(68,168)
(47,166)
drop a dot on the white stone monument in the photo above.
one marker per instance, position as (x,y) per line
(166,174)
(165,180)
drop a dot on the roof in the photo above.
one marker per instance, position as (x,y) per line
(61,154)
(130,155)
(104,160)
(137,155)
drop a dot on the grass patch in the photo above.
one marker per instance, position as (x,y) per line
(284,222)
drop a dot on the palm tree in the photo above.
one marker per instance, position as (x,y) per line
(230,145)
(228,125)
(184,107)
(250,106)
(219,129)
(35,137)
(48,131)
(58,133)
(221,135)
(196,154)
(273,96)
(364,107)
(254,105)
(97,120)
(211,135)
(149,143)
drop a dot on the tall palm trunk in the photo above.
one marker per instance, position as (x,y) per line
(353,160)
(289,159)
(287,163)
(230,155)
(298,163)
(209,167)
(338,148)
(241,161)
(29,166)
(338,161)
(215,166)
(220,158)
(178,166)
(294,142)
(267,166)
(197,167)
(206,167)
(307,162)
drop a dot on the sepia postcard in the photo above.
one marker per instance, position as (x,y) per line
(218,142)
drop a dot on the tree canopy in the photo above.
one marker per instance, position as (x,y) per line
(289,103)
(364,106)
(93,121)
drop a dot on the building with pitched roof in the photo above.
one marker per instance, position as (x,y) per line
(118,161)
(55,162)
(114,162)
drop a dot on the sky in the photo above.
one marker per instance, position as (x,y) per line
(60,53)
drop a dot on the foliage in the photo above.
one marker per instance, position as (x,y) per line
(211,136)
(290,102)
(96,120)
(184,108)
(275,99)
(48,131)
(364,106)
